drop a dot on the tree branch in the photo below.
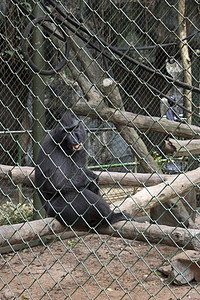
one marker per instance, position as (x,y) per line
(130,135)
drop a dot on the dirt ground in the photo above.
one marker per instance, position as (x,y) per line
(90,267)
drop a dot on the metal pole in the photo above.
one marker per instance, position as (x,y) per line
(38,102)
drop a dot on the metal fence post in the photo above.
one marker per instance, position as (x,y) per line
(38,102)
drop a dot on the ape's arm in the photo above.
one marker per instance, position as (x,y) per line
(93,179)
(62,177)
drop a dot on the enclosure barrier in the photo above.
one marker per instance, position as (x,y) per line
(128,72)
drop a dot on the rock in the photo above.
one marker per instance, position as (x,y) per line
(185,267)
(166,269)
(176,209)
(6,294)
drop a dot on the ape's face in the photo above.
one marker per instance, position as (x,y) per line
(70,134)
(73,138)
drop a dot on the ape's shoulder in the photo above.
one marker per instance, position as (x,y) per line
(49,142)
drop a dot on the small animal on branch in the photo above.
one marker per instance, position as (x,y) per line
(67,189)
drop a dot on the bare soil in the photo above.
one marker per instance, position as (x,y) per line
(91,267)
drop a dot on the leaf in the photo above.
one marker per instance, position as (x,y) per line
(24,298)
(10,52)
(25,250)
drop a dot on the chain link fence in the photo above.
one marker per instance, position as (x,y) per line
(128,72)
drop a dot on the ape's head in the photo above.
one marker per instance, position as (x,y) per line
(69,133)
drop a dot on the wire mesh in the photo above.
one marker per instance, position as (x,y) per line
(129,72)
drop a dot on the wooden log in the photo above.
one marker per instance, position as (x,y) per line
(185,57)
(24,232)
(155,124)
(147,198)
(129,134)
(163,234)
(131,179)
(17,233)
(111,90)
(25,175)
(176,185)
(182,148)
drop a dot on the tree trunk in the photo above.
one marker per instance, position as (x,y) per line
(186,62)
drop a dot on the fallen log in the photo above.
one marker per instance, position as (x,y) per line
(176,185)
(182,148)
(178,237)
(38,242)
(156,194)
(131,179)
(25,175)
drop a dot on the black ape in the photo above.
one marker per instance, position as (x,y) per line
(67,189)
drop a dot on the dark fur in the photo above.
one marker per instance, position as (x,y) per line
(67,189)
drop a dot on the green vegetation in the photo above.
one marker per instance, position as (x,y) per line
(13,214)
